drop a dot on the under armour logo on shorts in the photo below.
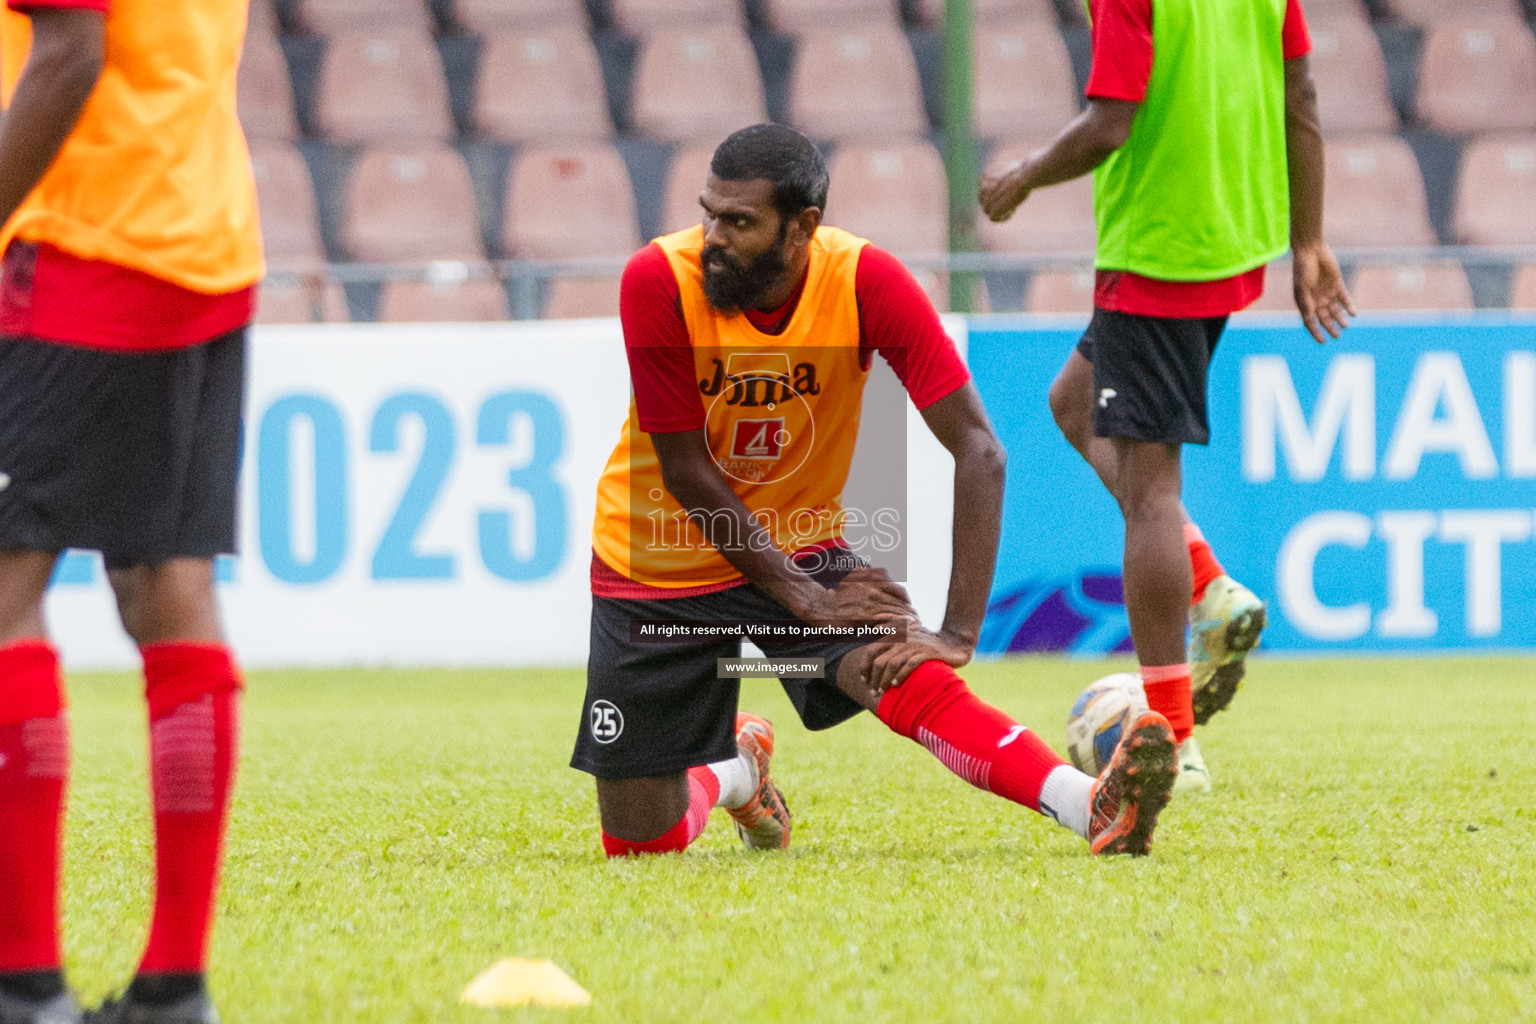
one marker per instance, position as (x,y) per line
(606,721)
(1104,396)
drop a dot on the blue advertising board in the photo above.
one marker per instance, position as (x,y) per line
(1379,492)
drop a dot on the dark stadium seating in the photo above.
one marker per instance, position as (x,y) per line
(696,83)
(1429,107)
(540,84)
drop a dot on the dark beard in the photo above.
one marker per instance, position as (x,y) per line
(733,287)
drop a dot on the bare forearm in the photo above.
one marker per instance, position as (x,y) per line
(1080,148)
(979,473)
(58,78)
(1304,156)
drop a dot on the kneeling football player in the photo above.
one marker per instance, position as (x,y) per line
(750,339)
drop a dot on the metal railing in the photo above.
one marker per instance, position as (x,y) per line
(525,280)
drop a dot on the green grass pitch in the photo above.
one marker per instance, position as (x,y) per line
(1369,854)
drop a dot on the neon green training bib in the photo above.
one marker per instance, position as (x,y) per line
(1200,190)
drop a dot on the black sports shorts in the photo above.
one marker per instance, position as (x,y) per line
(657,709)
(134,455)
(1149,375)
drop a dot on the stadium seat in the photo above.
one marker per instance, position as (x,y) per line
(640,16)
(263,90)
(301,302)
(449,302)
(696,82)
(334,17)
(1332,7)
(1428,12)
(1496,192)
(1375,195)
(1022,82)
(411,203)
(487,16)
(569,202)
(383,85)
(1430,286)
(685,180)
(290,226)
(991,12)
(1522,290)
(797,16)
(1056,221)
(1351,76)
(262,17)
(1478,76)
(541,84)
(573,297)
(894,195)
(1060,291)
(856,82)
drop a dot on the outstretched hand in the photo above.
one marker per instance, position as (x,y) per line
(1000,192)
(1320,293)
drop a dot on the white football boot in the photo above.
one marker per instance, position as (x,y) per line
(1224,625)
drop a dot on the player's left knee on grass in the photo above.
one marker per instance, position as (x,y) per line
(643,815)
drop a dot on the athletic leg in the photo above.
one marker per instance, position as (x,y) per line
(34,769)
(192,687)
(933,707)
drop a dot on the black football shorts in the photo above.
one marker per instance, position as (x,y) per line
(131,454)
(1149,375)
(657,708)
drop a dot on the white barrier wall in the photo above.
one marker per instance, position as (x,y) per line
(423,494)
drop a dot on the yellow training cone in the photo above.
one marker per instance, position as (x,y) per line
(513,982)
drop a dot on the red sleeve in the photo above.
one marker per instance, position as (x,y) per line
(1294,37)
(657,345)
(31,5)
(897,320)
(1122,49)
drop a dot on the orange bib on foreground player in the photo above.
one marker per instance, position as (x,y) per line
(156,176)
(781,420)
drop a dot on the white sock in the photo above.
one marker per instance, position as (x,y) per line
(737,781)
(1065,798)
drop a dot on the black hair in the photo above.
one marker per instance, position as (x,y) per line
(782,156)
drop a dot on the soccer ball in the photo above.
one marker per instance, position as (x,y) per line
(1100,714)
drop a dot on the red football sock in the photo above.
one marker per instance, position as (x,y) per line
(1202,561)
(34,767)
(194,733)
(703,790)
(1167,689)
(974,740)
